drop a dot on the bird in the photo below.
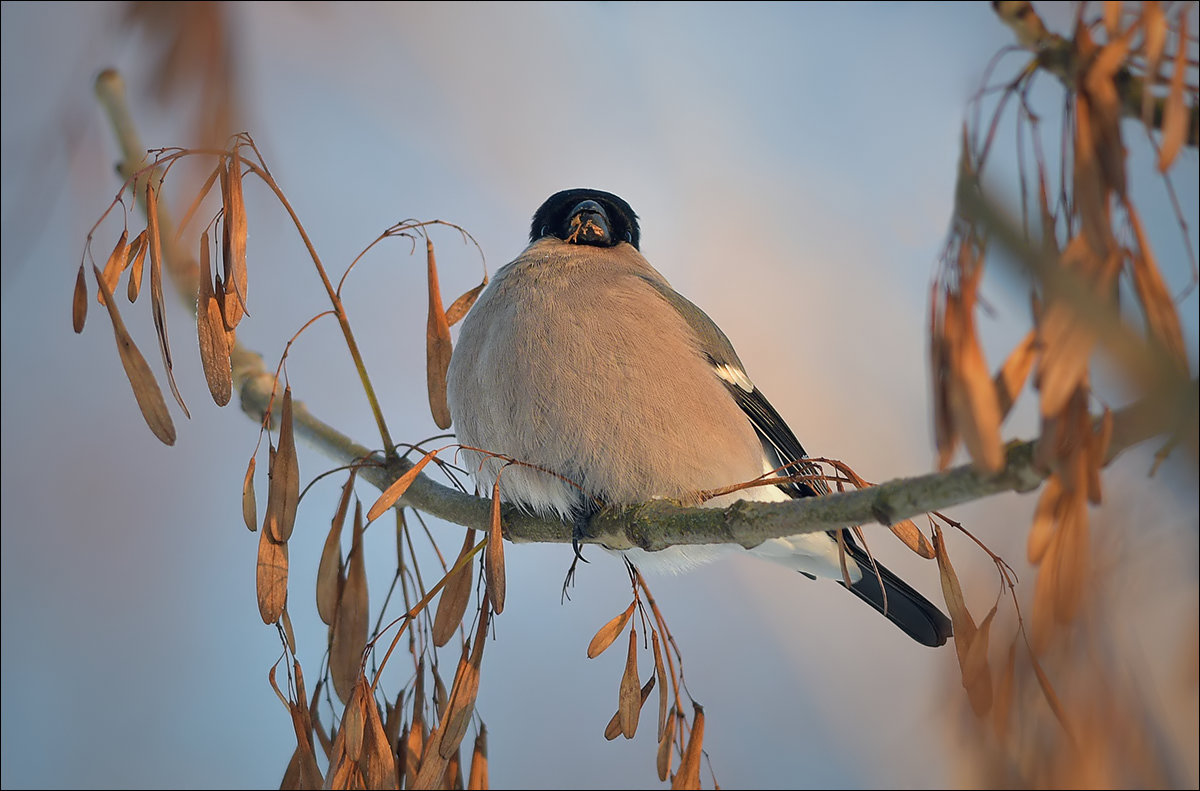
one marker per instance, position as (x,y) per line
(582,362)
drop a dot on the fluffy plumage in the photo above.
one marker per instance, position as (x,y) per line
(581,359)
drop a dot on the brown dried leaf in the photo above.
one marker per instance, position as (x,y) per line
(1091,195)
(210,329)
(1066,343)
(1073,557)
(477,778)
(1106,107)
(377,762)
(354,721)
(249,503)
(913,538)
(1175,113)
(271,578)
(115,265)
(437,346)
(666,744)
(973,403)
(137,260)
(456,594)
(219,294)
(79,301)
(960,617)
(401,755)
(234,243)
(609,632)
(157,304)
(283,489)
(291,775)
(969,642)
(1162,318)
(350,624)
(461,704)
(343,773)
(431,773)
(976,675)
(661,672)
(141,379)
(629,701)
(453,776)
(1045,520)
(1112,18)
(308,774)
(1044,597)
(440,695)
(393,718)
(1052,699)
(945,437)
(1012,375)
(288,633)
(459,307)
(493,560)
(1154,23)
(613,729)
(413,743)
(398,487)
(688,775)
(329,570)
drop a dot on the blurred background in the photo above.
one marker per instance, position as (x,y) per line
(793,166)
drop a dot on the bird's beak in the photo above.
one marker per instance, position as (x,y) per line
(589,225)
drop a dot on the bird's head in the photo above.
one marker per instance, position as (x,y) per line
(586,216)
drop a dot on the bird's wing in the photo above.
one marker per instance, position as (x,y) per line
(779,443)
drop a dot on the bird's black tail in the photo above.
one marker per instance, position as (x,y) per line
(917,616)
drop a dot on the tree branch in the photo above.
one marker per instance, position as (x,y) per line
(659,524)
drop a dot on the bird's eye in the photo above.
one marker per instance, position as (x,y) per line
(545,230)
(629,237)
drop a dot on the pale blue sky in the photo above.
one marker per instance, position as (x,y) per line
(793,166)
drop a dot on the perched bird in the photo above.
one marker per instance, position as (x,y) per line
(579,358)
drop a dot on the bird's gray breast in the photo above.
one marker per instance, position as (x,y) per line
(581,368)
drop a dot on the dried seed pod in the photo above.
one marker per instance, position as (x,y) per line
(459,307)
(351,623)
(477,777)
(141,379)
(688,775)
(630,698)
(115,265)
(157,303)
(210,329)
(271,577)
(79,302)
(398,487)
(456,594)
(249,503)
(437,345)
(609,632)
(1175,113)
(493,560)
(330,567)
